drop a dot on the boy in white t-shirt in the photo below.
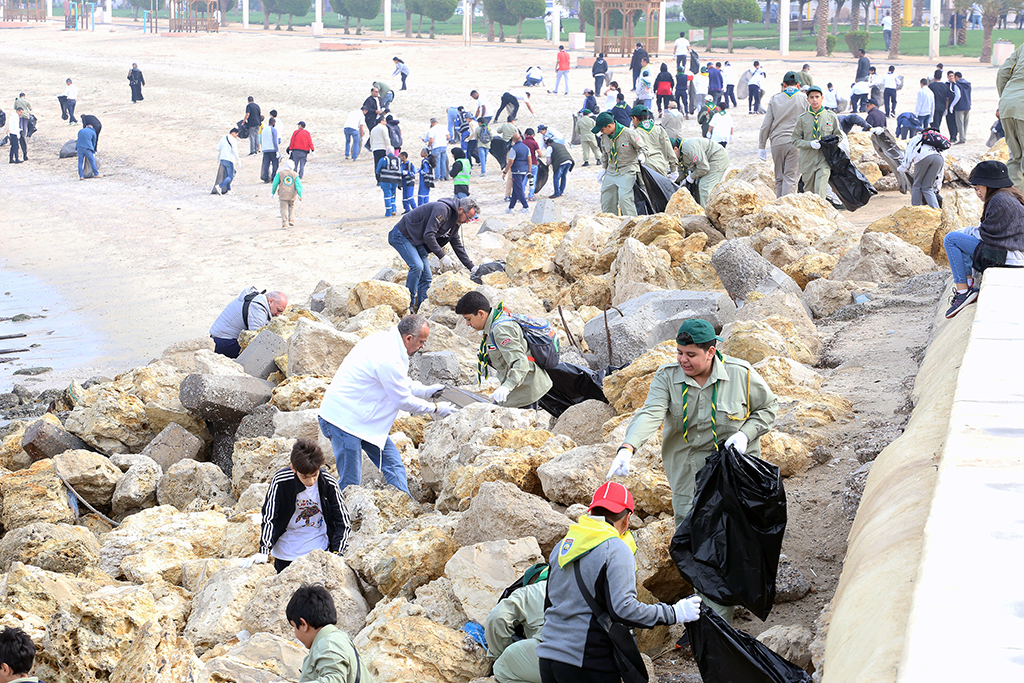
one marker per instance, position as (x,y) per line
(303,510)
(721,128)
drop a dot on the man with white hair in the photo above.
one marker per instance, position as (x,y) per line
(250,310)
(288,186)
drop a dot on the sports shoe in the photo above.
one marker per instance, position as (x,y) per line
(218,189)
(960,300)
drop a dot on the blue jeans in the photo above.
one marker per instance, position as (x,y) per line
(229,174)
(559,180)
(299,157)
(84,154)
(559,77)
(386,101)
(418,280)
(348,451)
(518,191)
(440,155)
(959,249)
(352,142)
(389,190)
(453,119)
(482,154)
(527,187)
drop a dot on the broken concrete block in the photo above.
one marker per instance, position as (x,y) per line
(44,439)
(172,444)
(223,399)
(258,357)
(546,211)
(437,367)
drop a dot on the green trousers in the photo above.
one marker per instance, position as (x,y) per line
(518,663)
(617,193)
(1014,129)
(817,181)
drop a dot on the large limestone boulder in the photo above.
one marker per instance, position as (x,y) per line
(90,637)
(639,264)
(781,373)
(825,297)
(92,475)
(255,461)
(580,420)
(576,254)
(447,288)
(960,209)
(242,535)
(36,594)
(157,654)
(34,495)
(372,512)
(785,452)
(626,389)
(786,306)
(136,490)
(202,531)
(400,644)
(655,569)
(805,217)
(531,255)
(480,572)
(370,293)
(501,511)
(754,340)
(760,174)
(264,612)
(187,481)
(114,422)
(731,201)
(263,658)
(573,476)
(300,392)
(218,605)
(810,267)
(791,642)
(157,386)
(915,225)
(742,271)
(60,548)
(882,257)
(441,605)
(376,319)
(682,203)
(12,454)
(317,348)
(399,563)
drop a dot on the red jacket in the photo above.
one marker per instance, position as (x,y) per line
(301,140)
(563,60)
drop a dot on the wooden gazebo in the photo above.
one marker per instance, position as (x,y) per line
(623,45)
(193,16)
(23,10)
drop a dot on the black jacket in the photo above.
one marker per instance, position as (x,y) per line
(370,106)
(863,67)
(600,67)
(279,506)
(637,61)
(876,118)
(941,91)
(434,225)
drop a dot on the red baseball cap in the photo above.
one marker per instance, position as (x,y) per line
(613,497)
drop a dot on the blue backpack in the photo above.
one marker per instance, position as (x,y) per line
(540,339)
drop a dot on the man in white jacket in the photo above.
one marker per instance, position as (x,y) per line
(925,105)
(363,400)
(227,154)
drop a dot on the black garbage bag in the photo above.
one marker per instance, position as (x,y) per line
(572,384)
(499,150)
(652,191)
(728,546)
(726,655)
(69,150)
(542,177)
(846,181)
(487,269)
(243,130)
(886,146)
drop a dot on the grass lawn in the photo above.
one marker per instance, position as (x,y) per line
(913,41)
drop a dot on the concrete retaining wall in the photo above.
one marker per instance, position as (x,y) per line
(930,589)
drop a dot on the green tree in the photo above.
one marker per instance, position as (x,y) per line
(297,8)
(497,11)
(703,14)
(991,10)
(768,13)
(524,9)
(438,10)
(615,22)
(821,19)
(270,7)
(835,17)
(736,10)
(360,9)
(411,7)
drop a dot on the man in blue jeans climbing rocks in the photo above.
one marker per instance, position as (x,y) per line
(362,401)
(426,230)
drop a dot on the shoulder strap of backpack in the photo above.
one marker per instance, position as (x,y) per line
(602,617)
(246,302)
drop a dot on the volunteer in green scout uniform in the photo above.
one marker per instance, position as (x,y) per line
(704,161)
(811,126)
(585,129)
(705,399)
(620,157)
(516,657)
(659,149)
(504,348)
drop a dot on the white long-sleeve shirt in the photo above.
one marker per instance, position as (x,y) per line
(71,92)
(270,139)
(925,102)
(890,81)
(757,77)
(227,149)
(831,101)
(371,386)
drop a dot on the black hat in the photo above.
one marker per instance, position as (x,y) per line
(992,174)
(872,100)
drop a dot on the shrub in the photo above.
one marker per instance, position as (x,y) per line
(830,44)
(857,40)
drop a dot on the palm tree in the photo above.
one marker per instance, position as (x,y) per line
(897,26)
(821,19)
(835,18)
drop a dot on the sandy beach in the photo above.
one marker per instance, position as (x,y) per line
(146,256)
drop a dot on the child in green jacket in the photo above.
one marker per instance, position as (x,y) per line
(332,657)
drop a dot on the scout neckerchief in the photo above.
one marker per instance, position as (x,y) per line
(647,125)
(714,406)
(816,128)
(482,369)
(613,153)
(791,90)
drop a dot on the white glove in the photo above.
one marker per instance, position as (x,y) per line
(473,270)
(815,144)
(444,409)
(877,130)
(737,441)
(600,176)
(499,395)
(687,609)
(433,389)
(620,465)
(762,154)
(689,179)
(258,558)
(447,262)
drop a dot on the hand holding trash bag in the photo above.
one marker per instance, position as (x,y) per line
(687,609)
(738,441)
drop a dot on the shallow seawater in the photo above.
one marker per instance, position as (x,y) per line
(57,336)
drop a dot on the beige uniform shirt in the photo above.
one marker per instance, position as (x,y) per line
(660,156)
(779,121)
(629,146)
(508,354)
(803,134)
(744,403)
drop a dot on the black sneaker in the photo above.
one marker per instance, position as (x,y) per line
(960,300)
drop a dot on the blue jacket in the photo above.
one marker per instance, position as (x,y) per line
(86,139)
(715,79)
(521,164)
(964,103)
